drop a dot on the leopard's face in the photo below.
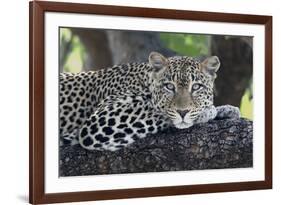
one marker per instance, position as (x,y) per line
(182,87)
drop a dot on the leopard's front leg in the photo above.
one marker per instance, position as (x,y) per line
(227,112)
(220,112)
(118,122)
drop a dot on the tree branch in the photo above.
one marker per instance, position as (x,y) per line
(214,145)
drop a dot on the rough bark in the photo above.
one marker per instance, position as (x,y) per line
(214,145)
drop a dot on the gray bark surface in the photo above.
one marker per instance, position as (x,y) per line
(214,145)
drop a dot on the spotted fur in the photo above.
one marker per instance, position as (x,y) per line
(111,108)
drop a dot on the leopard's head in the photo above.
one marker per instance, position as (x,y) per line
(182,87)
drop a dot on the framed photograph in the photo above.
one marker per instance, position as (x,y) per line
(139,102)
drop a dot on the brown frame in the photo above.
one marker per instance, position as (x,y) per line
(37,95)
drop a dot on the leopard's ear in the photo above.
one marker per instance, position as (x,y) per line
(210,66)
(157,61)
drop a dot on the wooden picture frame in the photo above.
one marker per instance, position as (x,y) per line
(37,10)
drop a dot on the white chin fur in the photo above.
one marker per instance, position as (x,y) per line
(183,125)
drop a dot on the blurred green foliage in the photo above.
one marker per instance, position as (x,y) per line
(246,106)
(187,44)
(76,55)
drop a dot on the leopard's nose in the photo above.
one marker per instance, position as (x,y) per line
(182,112)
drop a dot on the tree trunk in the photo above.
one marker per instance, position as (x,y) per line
(214,145)
(96,45)
(235,73)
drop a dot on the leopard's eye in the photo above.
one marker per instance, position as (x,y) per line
(170,87)
(196,87)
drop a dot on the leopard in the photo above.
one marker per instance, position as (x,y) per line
(111,108)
